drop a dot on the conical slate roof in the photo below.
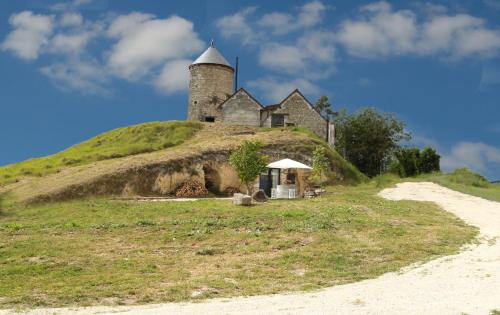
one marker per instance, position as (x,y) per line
(212,55)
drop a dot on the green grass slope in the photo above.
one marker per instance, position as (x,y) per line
(462,179)
(147,137)
(466,181)
(99,251)
(130,160)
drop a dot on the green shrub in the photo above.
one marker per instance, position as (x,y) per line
(467,177)
(411,162)
(429,161)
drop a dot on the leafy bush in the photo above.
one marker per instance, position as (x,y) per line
(248,163)
(429,161)
(411,162)
(467,177)
(320,165)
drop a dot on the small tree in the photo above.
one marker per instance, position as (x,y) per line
(412,161)
(324,106)
(319,165)
(409,159)
(429,161)
(248,162)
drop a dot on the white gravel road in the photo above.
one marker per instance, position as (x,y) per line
(468,282)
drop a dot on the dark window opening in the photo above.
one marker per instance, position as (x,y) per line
(195,102)
(277,120)
(210,119)
(290,178)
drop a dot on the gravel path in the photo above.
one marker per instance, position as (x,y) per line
(468,282)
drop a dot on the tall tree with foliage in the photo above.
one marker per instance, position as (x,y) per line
(320,165)
(412,161)
(324,106)
(248,163)
(429,161)
(368,139)
(409,161)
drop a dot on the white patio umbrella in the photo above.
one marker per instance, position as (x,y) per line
(287,163)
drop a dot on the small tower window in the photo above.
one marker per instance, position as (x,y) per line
(209,118)
(195,102)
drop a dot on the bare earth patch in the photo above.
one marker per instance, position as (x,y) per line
(468,282)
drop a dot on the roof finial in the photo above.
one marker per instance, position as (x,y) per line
(212,43)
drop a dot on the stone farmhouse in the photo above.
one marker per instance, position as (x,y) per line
(212,98)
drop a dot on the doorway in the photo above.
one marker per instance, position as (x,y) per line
(269,180)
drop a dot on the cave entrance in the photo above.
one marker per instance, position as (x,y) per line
(211,179)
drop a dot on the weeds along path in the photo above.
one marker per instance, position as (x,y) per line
(468,282)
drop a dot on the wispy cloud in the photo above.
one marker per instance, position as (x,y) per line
(275,88)
(474,155)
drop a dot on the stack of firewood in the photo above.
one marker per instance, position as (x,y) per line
(191,188)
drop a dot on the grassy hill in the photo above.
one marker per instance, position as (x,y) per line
(79,249)
(134,160)
(117,143)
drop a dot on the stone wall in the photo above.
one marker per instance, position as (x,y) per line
(209,86)
(297,111)
(241,109)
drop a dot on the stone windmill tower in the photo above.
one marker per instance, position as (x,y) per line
(211,83)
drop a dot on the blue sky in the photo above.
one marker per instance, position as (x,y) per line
(71,70)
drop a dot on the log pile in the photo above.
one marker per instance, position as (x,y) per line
(229,191)
(191,188)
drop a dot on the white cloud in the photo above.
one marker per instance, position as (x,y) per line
(174,77)
(380,31)
(285,58)
(65,43)
(127,23)
(309,15)
(71,19)
(69,5)
(312,56)
(145,42)
(31,33)
(237,26)
(474,155)
(86,77)
(275,90)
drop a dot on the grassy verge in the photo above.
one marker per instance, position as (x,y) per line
(117,143)
(114,252)
(462,180)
